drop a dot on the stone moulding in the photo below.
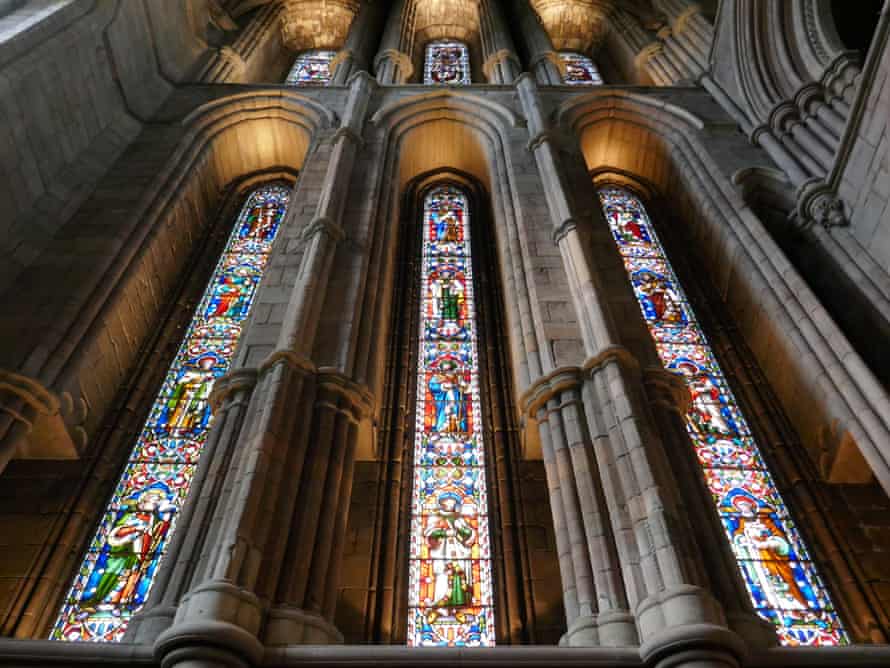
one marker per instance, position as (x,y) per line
(852,393)
(392,113)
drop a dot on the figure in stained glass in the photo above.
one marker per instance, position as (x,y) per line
(780,578)
(447,62)
(185,409)
(116,575)
(312,68)
(660,300)
(450,589)
(758,539)
(133,544)
(448,390)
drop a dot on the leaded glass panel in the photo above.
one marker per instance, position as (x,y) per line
(122,560)
(579,70)
(782,581)
(312,68)
(450,583)
(447,62)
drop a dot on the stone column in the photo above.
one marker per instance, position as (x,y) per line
(638,43)
(593,592)
(268,567)
(361,42)
(230,63)
(543,60)
(690,31)
(392,63)
(679,621)
(501,64)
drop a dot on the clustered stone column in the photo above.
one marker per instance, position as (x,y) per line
(393,62)
(268,569)
(363,37)
(501,65)
(543,59)
(229,64)
(678,620)
(593,593)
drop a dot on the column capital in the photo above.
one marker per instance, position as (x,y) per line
(818,203)
(237,380)
(614,353)
(546,387)
(357,396)
(495,59)
(37,423)
(668,389)
(398,58)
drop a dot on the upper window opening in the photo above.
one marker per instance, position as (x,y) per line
(579,70)
(311,68)
(119,567)
(781,578)
(450,596)
(447,62)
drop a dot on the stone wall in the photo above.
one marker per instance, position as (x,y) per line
(865,181)
(78,80)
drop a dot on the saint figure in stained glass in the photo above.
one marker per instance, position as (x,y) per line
(446,62)
(311,68)
(450,588)
(781,579)
(120,565)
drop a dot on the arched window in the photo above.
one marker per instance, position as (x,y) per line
(450,595)
(311,68)
(782,581)
(447,62)
(579,70)
(123,557)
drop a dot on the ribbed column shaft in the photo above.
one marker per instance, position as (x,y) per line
(361,42)
(392,63)
(541,55)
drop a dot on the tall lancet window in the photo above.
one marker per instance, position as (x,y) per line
(450,581)
(579,70)
(311,68)
(447,62)
(782,581)
(123,557)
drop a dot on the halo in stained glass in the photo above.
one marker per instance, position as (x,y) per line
(579,70)
(450,596)
(116,574)
(447,62)
(311,68)
(773,561)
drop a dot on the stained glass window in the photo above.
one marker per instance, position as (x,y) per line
(447,62)
(450,583)
(312,68)
(579,70)
(116,575)
(775,565)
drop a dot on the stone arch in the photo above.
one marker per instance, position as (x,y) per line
(478,133)
(802,353)
(193,180)
(615,130)
(466,137)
